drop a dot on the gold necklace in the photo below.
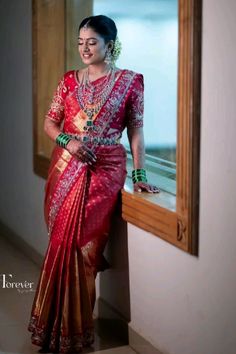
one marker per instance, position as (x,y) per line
(91,96)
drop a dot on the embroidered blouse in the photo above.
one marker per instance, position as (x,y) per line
(123,108)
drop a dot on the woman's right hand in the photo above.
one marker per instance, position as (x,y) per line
(81,151)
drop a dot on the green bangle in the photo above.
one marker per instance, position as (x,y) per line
(139,172)
(139,175)
(139,179)
(63,139)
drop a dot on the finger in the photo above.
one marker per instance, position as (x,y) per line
(87,158)
(91,156)
(90,153)
(153,189)
(81,155)
(149,189)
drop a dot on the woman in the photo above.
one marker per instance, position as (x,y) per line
(86,174)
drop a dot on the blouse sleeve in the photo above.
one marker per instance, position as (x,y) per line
(135,105)
(56,108)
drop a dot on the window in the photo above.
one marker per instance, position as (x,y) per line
(173,218)
(149,37)
(176,219)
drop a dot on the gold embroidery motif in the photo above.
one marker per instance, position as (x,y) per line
(63,161)
(56,110)
(80,120)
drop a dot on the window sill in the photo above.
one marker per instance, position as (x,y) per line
(155,213)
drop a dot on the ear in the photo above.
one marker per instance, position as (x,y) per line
(110,45)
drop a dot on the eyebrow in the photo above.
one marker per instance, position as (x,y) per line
(88,38)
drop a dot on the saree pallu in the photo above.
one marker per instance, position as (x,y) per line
(79,202)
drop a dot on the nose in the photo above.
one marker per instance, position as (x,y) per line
(85,47)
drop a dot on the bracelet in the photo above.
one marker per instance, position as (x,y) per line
(139,175)
(63,139)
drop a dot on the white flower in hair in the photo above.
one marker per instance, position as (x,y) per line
(116,50)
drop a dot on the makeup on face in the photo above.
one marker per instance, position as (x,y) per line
(91,46)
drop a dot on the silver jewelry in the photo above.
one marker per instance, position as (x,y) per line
(108,58)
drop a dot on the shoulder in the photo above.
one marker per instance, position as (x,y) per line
(69,75)
(132,73)
(69,81)
(136,77)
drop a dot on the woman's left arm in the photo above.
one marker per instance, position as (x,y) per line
(136,141)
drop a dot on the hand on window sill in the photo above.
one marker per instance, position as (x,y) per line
(145,187)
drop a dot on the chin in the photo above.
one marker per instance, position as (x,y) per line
(86,61)
(92,61)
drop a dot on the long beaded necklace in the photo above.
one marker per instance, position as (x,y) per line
(92,97)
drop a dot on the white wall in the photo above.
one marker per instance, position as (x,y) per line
(21,192)
(184,304)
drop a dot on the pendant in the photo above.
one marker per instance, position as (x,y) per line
(89,125)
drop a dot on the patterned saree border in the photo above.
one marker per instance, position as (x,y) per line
(66,343)
(110,107)
(61,190)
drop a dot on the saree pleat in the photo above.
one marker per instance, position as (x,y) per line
(62,312)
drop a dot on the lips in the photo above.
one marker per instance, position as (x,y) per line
(87,56)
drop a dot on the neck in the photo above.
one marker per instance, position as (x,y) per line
(98,69)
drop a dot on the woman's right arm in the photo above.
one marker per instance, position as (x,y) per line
(74,147)
(52,123)
(51,128)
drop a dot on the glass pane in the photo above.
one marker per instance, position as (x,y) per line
(148,30)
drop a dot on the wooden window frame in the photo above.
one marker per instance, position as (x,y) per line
(174,219)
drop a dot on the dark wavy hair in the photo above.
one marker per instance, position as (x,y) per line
(102,25)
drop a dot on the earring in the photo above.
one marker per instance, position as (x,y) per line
(108,58)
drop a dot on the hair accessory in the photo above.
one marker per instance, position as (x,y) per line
(63,139)
(116,50)
(139,175)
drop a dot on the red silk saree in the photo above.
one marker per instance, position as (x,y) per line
(79,202)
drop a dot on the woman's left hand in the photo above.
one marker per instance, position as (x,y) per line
(145,187)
